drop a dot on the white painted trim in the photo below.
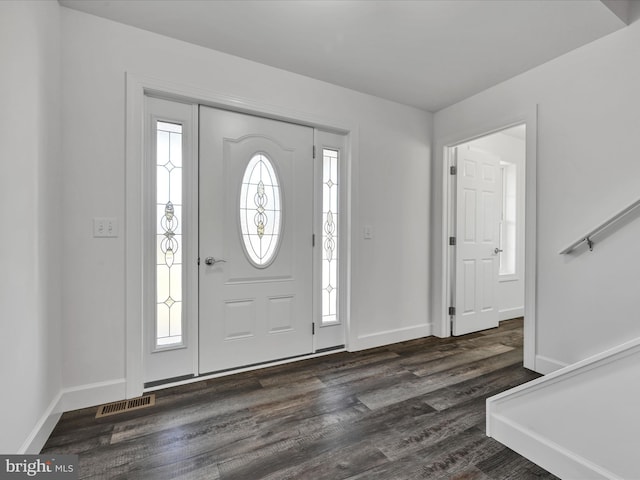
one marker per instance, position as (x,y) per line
(192,94)
(509,313)
(74,398)
(546,365)
(192,297)
(134,238)
(388,337)
(530,239)
(560,461)
(92,394)
(136,87)
(442,324)
(40,433)
(67,399)
(443,328)
(568,371)
(351,222)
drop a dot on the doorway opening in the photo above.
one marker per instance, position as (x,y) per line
(243,233)
(486,229)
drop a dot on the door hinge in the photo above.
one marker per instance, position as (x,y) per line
(198,260)
(313,328)
(453,170)
(452,240)
(313,240)
(314,151)
(452,310)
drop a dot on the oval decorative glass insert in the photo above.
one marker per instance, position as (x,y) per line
(260,211)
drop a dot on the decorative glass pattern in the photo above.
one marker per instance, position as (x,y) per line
(168,234)
(260,211)
(329,236)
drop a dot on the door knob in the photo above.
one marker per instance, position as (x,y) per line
(497,250)
(213,261)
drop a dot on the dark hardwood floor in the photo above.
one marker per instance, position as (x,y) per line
(411,410)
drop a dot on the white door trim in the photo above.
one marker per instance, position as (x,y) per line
(137,86)
(443,146)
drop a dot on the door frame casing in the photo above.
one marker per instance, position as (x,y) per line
(137,86)
(444,151)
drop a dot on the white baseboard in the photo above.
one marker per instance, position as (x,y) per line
(84,396)
(546,365)
(39,435)
(509,313)
(512,416)
(68,399)
(552,457)
(390,336)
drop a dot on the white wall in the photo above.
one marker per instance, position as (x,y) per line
(390,184)
(30,248)
(588,144)
(510,288)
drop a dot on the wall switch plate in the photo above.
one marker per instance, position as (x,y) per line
(368,232)
(105,227)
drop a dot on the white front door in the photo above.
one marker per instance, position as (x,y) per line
(255,228)
(477,241)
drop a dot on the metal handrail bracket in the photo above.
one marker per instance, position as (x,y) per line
(588,237)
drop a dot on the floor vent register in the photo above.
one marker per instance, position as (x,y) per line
(126,405)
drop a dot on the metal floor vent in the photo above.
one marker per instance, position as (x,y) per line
(126,405)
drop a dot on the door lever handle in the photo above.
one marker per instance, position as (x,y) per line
(213,261)
(497,250)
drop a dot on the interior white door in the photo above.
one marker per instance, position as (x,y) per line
(256,226)
(477,239)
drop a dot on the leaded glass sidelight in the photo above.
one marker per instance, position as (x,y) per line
(168,234)
(260,211)
(329,236)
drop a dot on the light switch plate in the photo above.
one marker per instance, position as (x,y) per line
(105,227)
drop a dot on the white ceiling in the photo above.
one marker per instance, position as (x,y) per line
(429,54)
